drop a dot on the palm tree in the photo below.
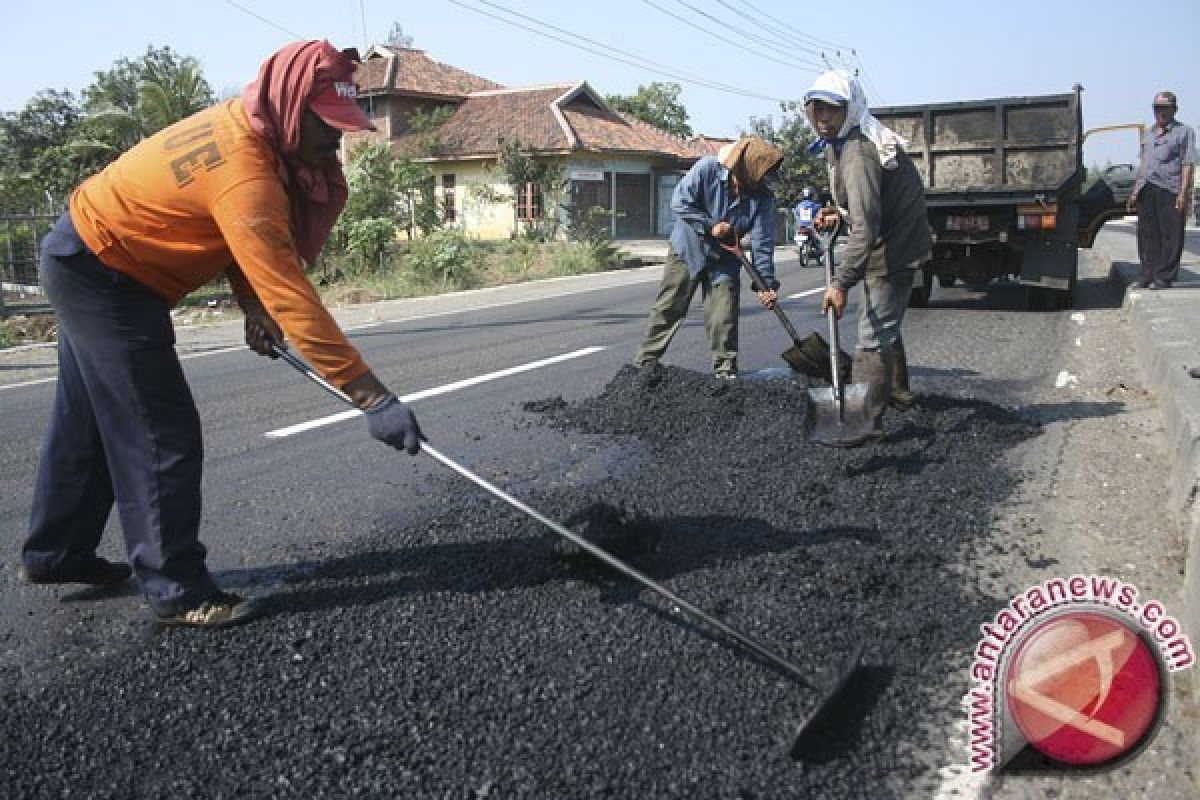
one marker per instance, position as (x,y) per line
(166,96)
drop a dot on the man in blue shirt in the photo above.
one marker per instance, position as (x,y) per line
(1162,194)
(719,200)
(806,214)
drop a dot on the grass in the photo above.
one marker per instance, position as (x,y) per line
(419,269)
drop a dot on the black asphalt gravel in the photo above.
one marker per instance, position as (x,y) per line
(471,656)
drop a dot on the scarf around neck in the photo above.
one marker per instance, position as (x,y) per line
(836,86)
(275,104)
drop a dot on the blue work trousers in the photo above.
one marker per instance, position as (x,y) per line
(124,428)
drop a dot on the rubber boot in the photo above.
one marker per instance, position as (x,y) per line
(874,368)
(902,397)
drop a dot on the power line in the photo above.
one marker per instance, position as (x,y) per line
(803,66)
(261,18)
(819,42)
(785,40)
(658,68)
(734,28)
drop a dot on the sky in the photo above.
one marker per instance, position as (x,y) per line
(763,50)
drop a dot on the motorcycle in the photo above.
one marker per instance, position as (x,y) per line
(808,247)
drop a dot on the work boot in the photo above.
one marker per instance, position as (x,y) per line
(874,368)
(813,354)
(96,571)
(902,397)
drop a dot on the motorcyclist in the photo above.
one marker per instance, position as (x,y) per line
(806,214)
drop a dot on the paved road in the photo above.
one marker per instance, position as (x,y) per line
(277,505)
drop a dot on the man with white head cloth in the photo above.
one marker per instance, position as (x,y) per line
(879,195)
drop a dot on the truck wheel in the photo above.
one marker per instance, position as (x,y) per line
(947,280)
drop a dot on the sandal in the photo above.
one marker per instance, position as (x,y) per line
(222,611)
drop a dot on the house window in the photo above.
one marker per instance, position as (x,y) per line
(449,213)
(529,202)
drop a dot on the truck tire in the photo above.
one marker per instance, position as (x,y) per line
(946,281)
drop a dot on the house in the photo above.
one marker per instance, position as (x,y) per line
(611,160)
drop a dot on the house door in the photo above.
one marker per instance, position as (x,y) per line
(664,220)
(634,205)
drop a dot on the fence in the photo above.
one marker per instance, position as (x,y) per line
(20,238)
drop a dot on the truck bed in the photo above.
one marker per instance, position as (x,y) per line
(1002,150)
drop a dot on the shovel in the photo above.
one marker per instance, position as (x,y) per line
(795,356)
(839,413)
(808,738)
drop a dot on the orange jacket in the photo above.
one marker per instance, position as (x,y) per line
(203,197)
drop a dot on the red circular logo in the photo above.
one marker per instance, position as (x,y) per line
(1084,688)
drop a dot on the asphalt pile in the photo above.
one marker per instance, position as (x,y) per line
(474,656)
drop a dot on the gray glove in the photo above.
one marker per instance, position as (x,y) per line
(392,422)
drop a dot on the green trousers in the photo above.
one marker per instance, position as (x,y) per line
(671,306)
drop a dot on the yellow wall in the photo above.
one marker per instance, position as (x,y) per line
(477,217)
(481,219)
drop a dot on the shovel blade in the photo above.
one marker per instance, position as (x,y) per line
(843,424)
(800,362)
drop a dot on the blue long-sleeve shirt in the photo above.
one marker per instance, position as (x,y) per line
(704,197)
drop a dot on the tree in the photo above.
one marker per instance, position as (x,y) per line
(793,136)
(387,192)
(55,141)
(657,104)
(157,89)
(34,158)
(537,182)
(166,96)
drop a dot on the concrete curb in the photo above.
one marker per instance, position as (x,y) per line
(1167,339)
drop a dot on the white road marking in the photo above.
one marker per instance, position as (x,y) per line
(291,430)
(805,293)
(217,351)
(640,275)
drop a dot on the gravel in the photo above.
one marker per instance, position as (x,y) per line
(473,656)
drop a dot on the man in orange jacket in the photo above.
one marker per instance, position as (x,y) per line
(249,188)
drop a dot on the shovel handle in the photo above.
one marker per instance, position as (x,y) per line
(757,277)
(835,345)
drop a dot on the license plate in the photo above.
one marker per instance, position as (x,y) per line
(966,223)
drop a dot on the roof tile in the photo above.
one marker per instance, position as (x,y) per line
(412,71)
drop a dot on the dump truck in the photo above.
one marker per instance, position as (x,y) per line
(1004,185)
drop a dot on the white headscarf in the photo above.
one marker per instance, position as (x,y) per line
(837,87)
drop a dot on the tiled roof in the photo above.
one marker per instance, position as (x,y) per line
(708,145)
(475,127)
(484,118)
(405,70)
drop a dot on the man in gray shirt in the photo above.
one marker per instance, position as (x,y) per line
(1162,194)
(879,195)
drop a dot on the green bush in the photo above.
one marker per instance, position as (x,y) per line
(445,257)
(577,258)
(370,238)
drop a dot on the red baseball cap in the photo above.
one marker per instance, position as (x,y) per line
(335,102)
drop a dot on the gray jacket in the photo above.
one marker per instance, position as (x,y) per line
(889,229)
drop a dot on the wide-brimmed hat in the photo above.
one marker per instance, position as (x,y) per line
(757,157)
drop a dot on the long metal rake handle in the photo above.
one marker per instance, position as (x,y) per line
(747,642)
